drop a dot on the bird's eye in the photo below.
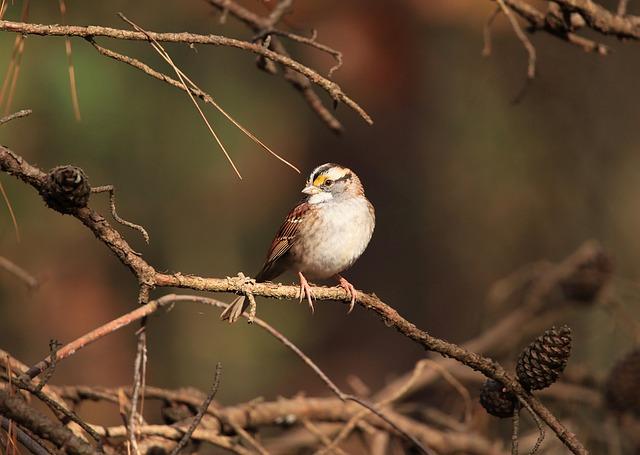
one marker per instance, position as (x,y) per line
(328,182)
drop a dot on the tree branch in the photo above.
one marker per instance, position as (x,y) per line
(146,274)
(92,31)
(257,24)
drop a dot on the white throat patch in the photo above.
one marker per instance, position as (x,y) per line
(320,197)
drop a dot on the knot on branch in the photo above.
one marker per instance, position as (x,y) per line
(543,360)
(66,188)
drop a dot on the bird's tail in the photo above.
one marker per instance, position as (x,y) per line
(235,309)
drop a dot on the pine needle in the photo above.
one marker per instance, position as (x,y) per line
(72,71)
(192,86)
(161,51)
(11,76)
(11,213)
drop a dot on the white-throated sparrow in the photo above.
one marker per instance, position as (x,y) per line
(322,236)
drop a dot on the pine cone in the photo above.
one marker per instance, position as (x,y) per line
(585,283)
(67,188)
(540,363)
(496,400)
(623,384)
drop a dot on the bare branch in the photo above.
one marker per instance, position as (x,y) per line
(112,202)
(92,31)
(201,411)
(23,438)
(146,274)
(531,69)
(257,24)
(14,408)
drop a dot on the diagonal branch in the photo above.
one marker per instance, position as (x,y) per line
(147,275)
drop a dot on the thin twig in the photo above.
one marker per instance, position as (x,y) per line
(54,345)
(137,384)
(56,407)
(257,24)
(531,69)
(332,88)
(314,430)
(516,429)
(19,272)
(112,201)
(536,419)
(15,115)
(309,41)
(153,306)
(201,411)
(486,32)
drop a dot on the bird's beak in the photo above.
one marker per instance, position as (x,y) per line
(311,190)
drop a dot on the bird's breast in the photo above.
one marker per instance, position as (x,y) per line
(336,239)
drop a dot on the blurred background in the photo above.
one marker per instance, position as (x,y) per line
(468,185)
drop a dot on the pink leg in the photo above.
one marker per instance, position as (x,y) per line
(351,291)
(305,290)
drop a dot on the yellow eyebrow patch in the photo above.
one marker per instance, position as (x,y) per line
(319,180)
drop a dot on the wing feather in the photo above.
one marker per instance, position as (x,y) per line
(282,243)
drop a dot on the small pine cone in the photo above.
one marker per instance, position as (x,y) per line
(540,363)
(585,283)
(623,384)
(67,188)
(496,400)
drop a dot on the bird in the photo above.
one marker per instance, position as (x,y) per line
(321,236)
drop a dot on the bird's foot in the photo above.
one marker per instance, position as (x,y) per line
(305,291)
(350,289)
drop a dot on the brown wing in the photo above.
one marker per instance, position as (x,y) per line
(282,243)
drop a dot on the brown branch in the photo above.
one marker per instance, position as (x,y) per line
(257,24)
(143,312)
(146,274)
(602,20)
(15,115)
(270,413)
(23,438)
(173,433)
(309,41)
(92,31)
(14,408)
(201,411)
(112,203)
(531,69)
(46,394)
(517,325)
(538,21)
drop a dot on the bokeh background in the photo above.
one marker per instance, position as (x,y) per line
(468,185)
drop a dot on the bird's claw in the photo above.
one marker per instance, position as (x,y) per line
(305,291)
(350,290)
